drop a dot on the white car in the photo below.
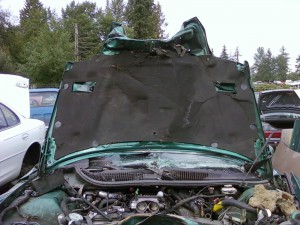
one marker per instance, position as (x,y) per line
(21,138)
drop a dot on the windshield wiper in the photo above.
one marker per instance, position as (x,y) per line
(152,169)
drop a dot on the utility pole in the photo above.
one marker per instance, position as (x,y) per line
(76,43)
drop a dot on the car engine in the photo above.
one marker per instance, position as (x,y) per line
(74,200)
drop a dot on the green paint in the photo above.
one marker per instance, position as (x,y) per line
(296,184)
(225,87)
(192,36)
(69,66)
(295,140)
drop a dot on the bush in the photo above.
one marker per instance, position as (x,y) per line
(266,86)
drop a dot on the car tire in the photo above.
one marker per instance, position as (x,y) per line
(31,158)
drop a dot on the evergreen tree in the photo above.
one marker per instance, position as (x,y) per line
(268,67)
(258,58)
(298,64)
(114,12)
(224,54)
(160,21)
(84,16)
(264,65)
(6,64)
(46,55)
(4,23)
(33,17)
(117,9)
(145,18)
(282,65)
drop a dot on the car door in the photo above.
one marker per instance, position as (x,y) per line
(14,138)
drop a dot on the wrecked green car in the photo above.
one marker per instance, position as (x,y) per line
(154,132)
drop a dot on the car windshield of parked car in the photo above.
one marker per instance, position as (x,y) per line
(41,99)
(280,100)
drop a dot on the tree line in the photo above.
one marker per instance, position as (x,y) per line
(42,42)
(266,66)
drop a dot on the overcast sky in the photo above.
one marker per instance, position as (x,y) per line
(246,24)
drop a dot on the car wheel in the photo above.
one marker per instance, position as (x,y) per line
(31,158)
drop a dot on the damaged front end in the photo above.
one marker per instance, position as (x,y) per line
(154,132)
(111,189)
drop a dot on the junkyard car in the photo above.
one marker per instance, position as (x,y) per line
(279,109)
(21,138)
(287,155)
(42,102)
(154,132)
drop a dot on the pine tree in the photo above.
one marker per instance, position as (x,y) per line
(258,58)
(4,23)
(298,64)
(6,64)
(282,65)
(160,21)
(264,65)
(116,8)
(224,54)
(85,17)
(33,17)
(145,18)
(114,12)
(268,67)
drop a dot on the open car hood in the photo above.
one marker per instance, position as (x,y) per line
(156,90)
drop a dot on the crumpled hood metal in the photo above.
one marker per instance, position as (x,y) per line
(160,95)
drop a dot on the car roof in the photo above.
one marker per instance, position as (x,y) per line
(277,90)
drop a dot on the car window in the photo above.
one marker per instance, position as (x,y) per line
(40,99)
(7,117)
(3,123)
(283,99)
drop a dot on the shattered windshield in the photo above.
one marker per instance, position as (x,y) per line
(172,159)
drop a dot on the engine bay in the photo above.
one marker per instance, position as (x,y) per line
(67,197)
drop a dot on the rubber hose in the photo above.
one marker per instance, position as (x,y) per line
(195,208)
(183,201)
(238,204)
(17,202)
(64,206)
(106,201)
(190,205)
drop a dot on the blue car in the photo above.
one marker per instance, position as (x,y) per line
(42,101)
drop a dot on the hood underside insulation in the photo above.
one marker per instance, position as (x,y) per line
(137,96)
